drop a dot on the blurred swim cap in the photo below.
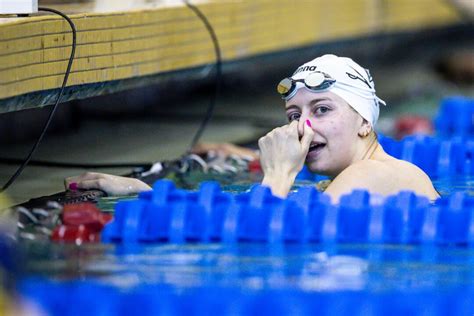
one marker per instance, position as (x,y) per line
(352,83)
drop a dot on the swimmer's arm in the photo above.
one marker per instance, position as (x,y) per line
(280,184)
(112,185)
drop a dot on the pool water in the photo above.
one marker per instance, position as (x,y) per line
(314,267)
(355,279)
(255,278)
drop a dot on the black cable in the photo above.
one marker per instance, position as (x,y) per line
(53,111)
(197,136)
(60,164)
(212,102)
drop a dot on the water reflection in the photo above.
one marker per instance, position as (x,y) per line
(258,266)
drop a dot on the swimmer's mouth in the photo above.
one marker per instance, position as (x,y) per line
(316,146)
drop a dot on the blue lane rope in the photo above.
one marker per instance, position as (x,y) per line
(438,157)
(87,297)
(168,214)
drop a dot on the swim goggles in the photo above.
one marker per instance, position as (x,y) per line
(315,81)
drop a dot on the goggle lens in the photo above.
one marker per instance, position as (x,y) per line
(285,86)
(315,79)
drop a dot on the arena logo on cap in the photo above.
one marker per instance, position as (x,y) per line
(305,68)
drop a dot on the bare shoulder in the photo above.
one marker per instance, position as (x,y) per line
(373,170)
(384,177)
(363,174)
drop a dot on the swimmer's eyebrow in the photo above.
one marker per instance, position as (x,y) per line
(291,107)
(312,102)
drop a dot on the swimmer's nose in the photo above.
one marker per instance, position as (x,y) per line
(304,120)
(301,124)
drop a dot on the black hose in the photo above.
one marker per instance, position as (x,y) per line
(195,140)
(212,102)
(53,111)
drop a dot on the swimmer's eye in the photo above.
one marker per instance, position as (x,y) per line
(293,116)
(321,110)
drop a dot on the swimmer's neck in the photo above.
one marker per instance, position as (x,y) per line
(371,148)
(371,151)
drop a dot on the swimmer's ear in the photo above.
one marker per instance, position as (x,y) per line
(365,129)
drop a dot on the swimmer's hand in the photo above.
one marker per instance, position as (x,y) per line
(282,156)
(224,150)
(112,185)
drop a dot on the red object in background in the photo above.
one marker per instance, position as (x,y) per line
(77,234)
(412,124)
(85,214)
(82,223)
(254,166)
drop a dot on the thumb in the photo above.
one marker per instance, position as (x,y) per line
(308,135)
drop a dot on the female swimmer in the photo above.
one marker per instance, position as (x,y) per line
(332,109)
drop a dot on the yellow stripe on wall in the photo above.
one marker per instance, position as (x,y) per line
(34,51)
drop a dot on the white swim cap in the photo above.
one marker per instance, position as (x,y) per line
(352,83)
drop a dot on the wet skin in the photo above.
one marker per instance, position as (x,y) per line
(333,139)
